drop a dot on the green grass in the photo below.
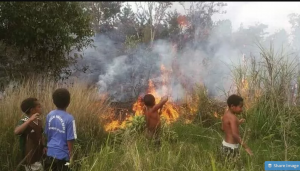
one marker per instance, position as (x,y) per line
(196,147)
(271,129)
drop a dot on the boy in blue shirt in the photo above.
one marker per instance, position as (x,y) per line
(60,131)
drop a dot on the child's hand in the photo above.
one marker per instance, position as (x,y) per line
(242,121)
(249,151)
(45,150)
(70,163)
(164,98)
(34,117)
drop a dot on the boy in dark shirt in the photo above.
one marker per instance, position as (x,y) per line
(31,135)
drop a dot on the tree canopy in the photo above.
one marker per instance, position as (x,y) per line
(41,36)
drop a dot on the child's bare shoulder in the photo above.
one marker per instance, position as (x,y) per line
(232,118)
(228,116)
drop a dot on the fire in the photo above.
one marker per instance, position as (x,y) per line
(116,124)
(151,89)
(169,111)
(113,125)
(182,21)
(138,107)
(190,108)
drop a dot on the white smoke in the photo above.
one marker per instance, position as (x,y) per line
(194,66)
(125,77)
(112,72)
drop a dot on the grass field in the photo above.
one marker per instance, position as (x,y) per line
(271,130)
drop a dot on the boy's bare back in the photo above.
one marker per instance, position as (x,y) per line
(152,120)
(151,113)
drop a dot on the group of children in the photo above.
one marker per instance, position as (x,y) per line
(52,148)
(230,123)
(60,130)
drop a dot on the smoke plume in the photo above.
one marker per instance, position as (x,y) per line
(125,77)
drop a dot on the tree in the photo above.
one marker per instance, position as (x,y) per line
(278,39)
(152,14)
(223,28)
(104,14)
(42,35)
(221,34)
(249,36)
(127,21)
(174,23)
(199,15)
(294,20)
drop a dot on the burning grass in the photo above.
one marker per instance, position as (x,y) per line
(169,112)
(190,152)
(187,109)
(271,128)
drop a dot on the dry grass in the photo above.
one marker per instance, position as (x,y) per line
(271,129)
(85,106)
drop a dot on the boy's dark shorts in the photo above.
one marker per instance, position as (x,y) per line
(53,164)
(229,150)
(154,137)
(230,153)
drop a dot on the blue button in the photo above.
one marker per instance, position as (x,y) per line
(282,165)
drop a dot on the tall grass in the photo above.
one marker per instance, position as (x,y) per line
(272,115)
(271,129)
(85,107)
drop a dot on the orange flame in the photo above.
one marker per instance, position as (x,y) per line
(169,112)
(182,21)
(114,124)
(138,107)
(190,108)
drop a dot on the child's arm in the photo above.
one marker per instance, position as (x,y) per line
(235,130)
(160,104)
(71,136)
(44,142)
(45,133)
(20,129)
(70,147)
(236,135)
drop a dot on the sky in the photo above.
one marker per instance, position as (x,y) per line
(273,14)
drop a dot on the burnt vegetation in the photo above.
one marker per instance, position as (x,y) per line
(115,49)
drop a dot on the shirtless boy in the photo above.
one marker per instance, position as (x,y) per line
(230,125)
(152,116)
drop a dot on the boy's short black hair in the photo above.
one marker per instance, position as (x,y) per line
(149,100)
(234,100)
(61,98)
(28,104)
